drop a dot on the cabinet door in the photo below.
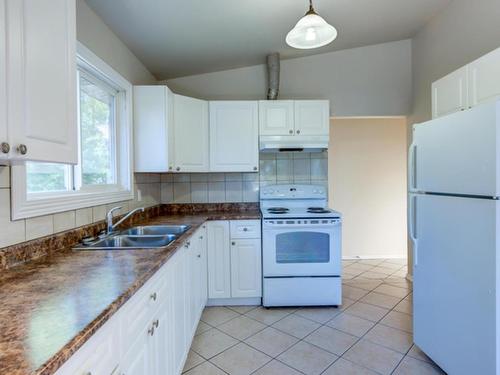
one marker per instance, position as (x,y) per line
(234,136)
(202,249)
(312,117)
(246,268)
(484,78)
(449,94)
(151,123)
(3,81)
(190,134)
(194,284)
(276,117)
(137,360)
(179,312)
(161,346)
(41,66)
(219,267)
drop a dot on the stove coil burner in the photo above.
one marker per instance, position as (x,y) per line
(277,210)
(317,210)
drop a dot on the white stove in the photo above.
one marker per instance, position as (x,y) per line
(301,247)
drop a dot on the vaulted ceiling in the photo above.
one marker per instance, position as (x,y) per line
(176,38)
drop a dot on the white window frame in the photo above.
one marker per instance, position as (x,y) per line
(26,205)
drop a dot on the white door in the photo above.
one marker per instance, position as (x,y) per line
(276,117)
(246,268)
(219,266)
(484,78)
(296,248)
(190,135)
(312,117)
(41,66)
(455,282)
(449,94)
(4,141)
(457,153)
(234,136)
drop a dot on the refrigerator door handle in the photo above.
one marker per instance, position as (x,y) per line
(412,167)
(411,225)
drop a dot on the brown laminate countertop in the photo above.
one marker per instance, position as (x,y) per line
(51,306)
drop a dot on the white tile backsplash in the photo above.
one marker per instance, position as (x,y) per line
(199,192)
(234,191)
(83,216)
(39,226)
(64,221)
(182,192)
(217,192)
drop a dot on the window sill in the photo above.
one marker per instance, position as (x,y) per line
(26,208)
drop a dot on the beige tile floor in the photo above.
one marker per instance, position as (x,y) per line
(371,333)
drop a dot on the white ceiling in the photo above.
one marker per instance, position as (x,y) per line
(176,38)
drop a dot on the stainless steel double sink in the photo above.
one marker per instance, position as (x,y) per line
(141,237)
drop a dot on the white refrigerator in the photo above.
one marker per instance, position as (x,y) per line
(454,220)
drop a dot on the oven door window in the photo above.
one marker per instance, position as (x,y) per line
(303,247)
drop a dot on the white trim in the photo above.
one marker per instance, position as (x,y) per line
(366,117)
(234,301)
(40,204)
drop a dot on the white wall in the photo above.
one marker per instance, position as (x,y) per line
(367,169)
(366,81)
(99,38)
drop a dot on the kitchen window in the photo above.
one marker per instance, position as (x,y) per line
(103,174)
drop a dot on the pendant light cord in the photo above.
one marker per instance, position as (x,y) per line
(311,8)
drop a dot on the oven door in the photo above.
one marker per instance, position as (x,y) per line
(301,247)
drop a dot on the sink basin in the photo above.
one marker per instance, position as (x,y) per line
(129,242)
(156,230)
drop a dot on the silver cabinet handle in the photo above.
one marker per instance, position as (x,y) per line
(187,244)
(233,243)
(151,331)
(245,229)
(153,296)
(5,148)
(298,131)
(156,323)
(178,168)
(254,168)
(290,131)
(170,168)
(199,255)
(22,149)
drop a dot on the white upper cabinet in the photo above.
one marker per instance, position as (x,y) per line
(153,118)
(484,78)
(449,94)
(234,136)
(276,117)
(468,86)
(41,90)
(190,132)
(312,117)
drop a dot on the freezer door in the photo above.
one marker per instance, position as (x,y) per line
(457,153)
(455,284)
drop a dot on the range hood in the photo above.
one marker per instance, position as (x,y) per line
(284,143)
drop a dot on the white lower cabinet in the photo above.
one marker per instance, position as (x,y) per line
(152,333)
(234,260)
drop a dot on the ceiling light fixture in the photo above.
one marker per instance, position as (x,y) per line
(312,31)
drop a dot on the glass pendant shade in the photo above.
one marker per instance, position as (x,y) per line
(312,31)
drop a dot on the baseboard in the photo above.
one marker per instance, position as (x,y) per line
(372,257)
(234,301)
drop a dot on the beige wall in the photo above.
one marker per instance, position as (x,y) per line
(367,183)
(98,37)
(366,81)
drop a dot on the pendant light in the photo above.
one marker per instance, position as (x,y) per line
(312,31)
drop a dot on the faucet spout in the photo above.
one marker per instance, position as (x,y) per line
(109,218)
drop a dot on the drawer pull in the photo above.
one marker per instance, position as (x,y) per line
(153,296)
(199,255)
(151,331)
(156,323)
(245,229)
(233,243)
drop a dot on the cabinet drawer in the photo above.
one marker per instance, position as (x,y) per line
(138,311)
(245,228)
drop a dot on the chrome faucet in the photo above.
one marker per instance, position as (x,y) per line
(109,218)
